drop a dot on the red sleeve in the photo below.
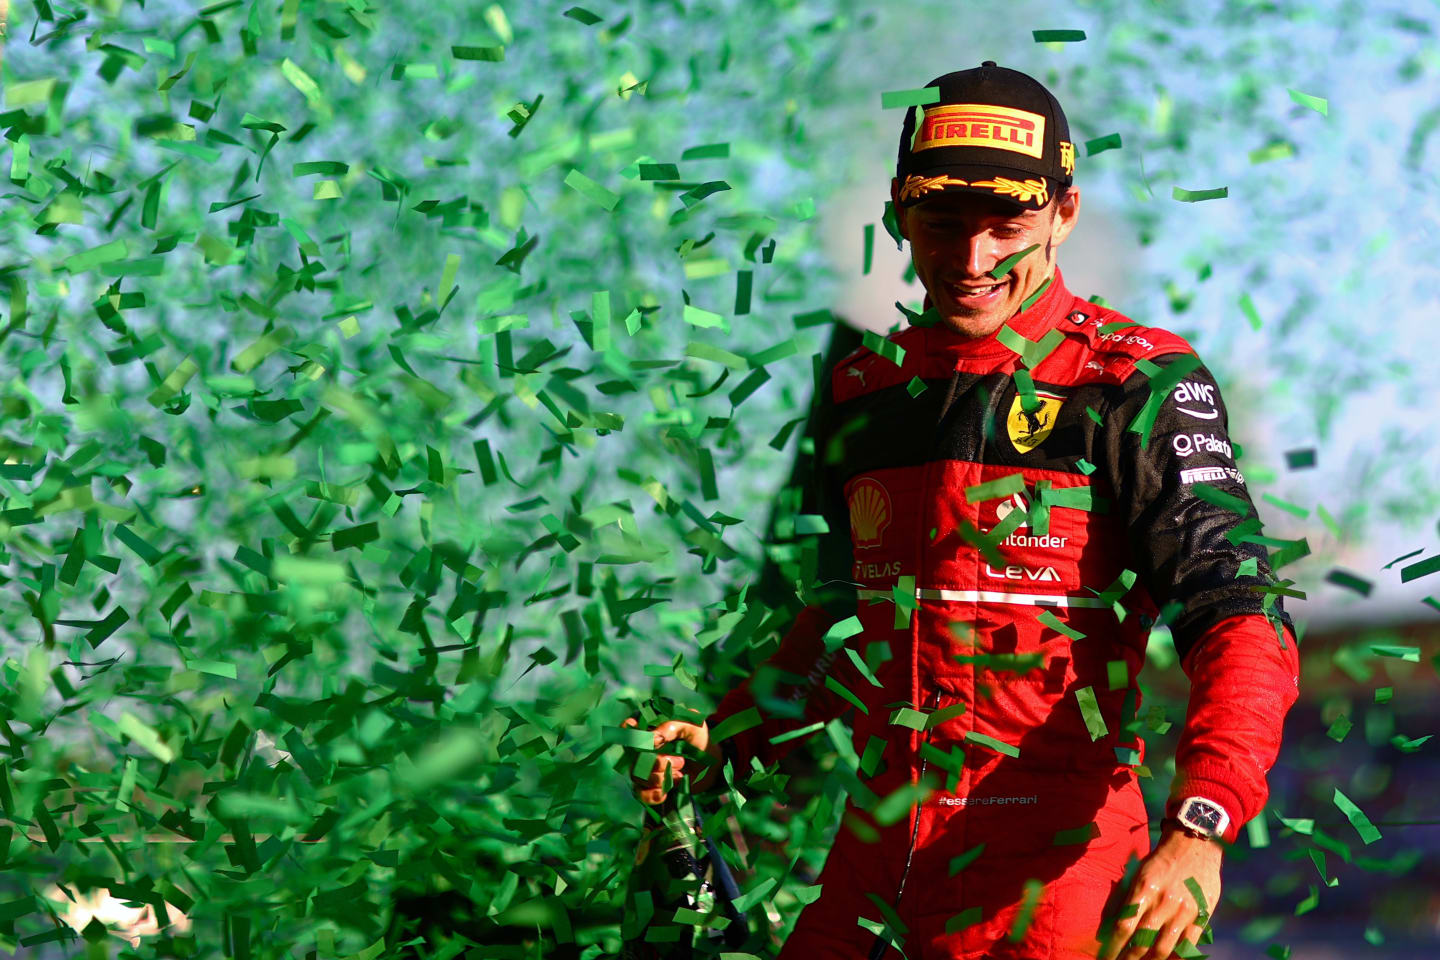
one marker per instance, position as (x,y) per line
(795,673)
(1242,683)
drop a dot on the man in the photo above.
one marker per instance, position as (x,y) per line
(1030,482)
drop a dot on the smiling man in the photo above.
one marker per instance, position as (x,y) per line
(1017,488)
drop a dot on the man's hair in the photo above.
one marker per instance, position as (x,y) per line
(1055,198)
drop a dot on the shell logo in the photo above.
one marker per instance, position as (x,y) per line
(870,512)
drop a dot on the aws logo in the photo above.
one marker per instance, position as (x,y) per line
(870,512)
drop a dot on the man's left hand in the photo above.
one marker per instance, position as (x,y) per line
(1164,909)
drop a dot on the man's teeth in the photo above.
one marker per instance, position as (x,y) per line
(978,290)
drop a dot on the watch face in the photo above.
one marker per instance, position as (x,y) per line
(1203,816)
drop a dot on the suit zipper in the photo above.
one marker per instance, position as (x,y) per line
(877,950)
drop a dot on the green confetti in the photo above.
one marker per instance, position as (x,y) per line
(965,859)
(95,256)
(704,318)
(1111,141)
(27,93)
(1279,150)
(1058,36)
(1403,556)
(996,745)
(488,54)
(909,98)
(738,723)
(1008,264)
(965,918)
(1349,581)
(1399,651)
(1361,823)
(796,734)
(708,151)
(1300,459)
(1421,569)
(908,717)
(1076,835)
(582,15)
(841,631)
(1319,104)
(1247,306)
(886,348)
(1011,483)
(601,196)
(1194,196)
(1055,623)
(146,736)
(1090,711)
(862,667)
(840,689)
(1029,301)
(1214,495)
(303,82)
(1030,897)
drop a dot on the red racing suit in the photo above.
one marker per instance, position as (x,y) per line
(1008,517)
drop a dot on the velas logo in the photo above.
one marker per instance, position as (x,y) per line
(1029,428)
(981,125)
(870,512)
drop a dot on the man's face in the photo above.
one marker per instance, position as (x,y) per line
(957,238)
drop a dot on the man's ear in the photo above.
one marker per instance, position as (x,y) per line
(1067,212)
(900,212)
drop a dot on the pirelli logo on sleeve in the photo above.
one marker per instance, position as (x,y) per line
(981,125)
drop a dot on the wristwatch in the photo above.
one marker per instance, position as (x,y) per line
(1201,818)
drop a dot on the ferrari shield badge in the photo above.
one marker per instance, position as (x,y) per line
(1029,428)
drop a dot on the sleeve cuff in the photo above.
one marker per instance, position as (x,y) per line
(1216,791)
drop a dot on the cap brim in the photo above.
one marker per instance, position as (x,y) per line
(1027,191)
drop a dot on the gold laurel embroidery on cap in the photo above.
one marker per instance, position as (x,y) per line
(1022,190)
(917,186)
(1067,157)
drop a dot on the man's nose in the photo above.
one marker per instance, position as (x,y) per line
(977,255)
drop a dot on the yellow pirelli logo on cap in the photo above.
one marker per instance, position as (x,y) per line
(981,125)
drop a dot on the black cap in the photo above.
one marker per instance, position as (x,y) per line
(993,131)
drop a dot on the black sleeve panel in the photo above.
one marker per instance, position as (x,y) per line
(1177,539)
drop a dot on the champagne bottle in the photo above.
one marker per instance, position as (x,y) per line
(679,869)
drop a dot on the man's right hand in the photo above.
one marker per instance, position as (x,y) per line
(652,791)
